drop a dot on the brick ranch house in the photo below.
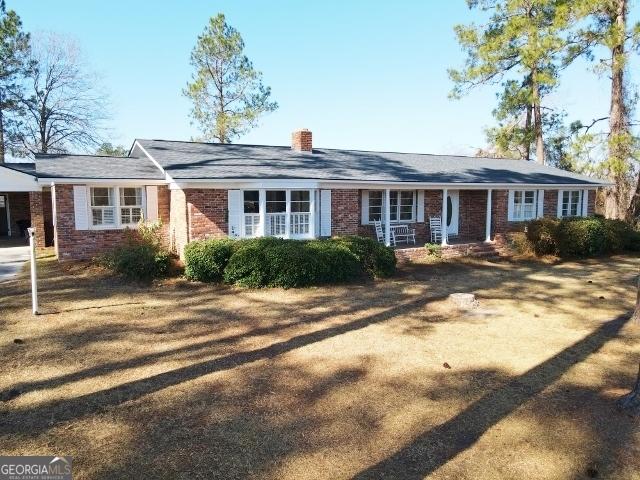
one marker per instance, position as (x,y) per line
(207,190)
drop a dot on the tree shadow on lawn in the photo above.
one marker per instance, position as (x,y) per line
(44,416)
(263,421)
(429,452)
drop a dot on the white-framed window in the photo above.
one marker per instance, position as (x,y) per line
(103,206)
(287,213)
(130,205)
(300,212)
(571,203)
(402,205)
(116,207)
(251,200)
(523,205)
(375,205)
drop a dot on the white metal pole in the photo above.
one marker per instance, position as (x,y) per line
(488,226)
(443,221)
(387,217)
(34,270)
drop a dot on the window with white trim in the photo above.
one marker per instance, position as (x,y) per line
(114,207)
(251,212)
(130,205)
(402,205)
(103,206)
(524,205)
(571,203)
(300,212)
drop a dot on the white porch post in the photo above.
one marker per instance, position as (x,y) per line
(444,217)
(287,218)
(262,211)
(312,213)
(488,227)
(387,217)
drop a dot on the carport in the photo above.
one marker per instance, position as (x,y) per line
(24,203)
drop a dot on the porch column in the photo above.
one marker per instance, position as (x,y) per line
(262,212)
(287,218)
(488,227)
(444,217)
(387,217)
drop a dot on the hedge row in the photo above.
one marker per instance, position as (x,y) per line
(581,237)
(275,262)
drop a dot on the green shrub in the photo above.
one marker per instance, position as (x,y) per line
(205,260)
(581,237)
(377,260)
(519,243)
(274,262)
(542,234)
(433,249)
(141,257)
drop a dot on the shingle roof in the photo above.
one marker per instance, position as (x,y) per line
(24,167)
(96,167)
(191,160)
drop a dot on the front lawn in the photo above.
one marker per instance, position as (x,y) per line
(382,380)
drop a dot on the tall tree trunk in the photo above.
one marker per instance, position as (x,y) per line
(527,129)
(537,116)
(2,149)
(616,200)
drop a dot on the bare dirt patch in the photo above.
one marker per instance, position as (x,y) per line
(383,380)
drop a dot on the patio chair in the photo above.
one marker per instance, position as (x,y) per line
(380,233)
(404,233)
(435,226)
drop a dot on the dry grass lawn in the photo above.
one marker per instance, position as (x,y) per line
(182,380)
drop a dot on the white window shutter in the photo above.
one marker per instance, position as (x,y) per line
(152,203)
(585,203)
(559,210)
(365,207)
(540,203)
(235,208)
(420,206)
(510,206)
(80,207)
(325,213)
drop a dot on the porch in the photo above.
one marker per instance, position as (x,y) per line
(454,249)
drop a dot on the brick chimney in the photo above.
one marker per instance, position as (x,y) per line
(301,141)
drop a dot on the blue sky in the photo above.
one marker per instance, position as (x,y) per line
(368,75)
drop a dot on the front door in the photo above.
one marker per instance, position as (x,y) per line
(453,212)
(4,214)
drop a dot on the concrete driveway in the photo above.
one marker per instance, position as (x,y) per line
(12,257)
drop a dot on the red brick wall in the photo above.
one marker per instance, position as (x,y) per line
(591,204)
(164,205)
(345,212)
(75,244)
(207,213)
(37,217)
(72,244)
(473,214)
(178,236)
